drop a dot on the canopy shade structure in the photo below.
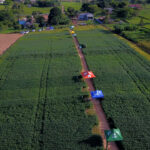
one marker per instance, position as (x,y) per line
(74,35)
(113,135)
(72,32)
(71,27)
(87,74)
(97,94)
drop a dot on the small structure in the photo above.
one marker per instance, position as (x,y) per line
(45,16)
(2,1)
(97,94)
(88,74)
(112,136)
(72,32)
(71,27)
(74,35)
(50,28)
(22,22)
(136,6)
(85,17)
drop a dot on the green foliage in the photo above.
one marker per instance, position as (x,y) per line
(64,20)
(40,104)
(123,75)
(40,20)
(89,8)
(85,7)
(102,3)
(16,26)
(7,18)
(75,5)
(124,13)
(124,27)
(54,16)
(71,12)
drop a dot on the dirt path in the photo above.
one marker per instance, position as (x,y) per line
(6,40)
(97,105)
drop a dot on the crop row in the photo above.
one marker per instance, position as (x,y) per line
(123,76)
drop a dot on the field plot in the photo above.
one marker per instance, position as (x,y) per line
(6,40)
(40,103)
(124,77)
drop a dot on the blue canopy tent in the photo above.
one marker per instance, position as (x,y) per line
(51,28)
(97,94)
(22,22)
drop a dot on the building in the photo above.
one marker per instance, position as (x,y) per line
(136,6)
(85,17)
(2,1)
(109,10)
(45,16)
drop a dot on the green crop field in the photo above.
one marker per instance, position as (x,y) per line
(29,10)
(75,5)
(41,105)
(124,77)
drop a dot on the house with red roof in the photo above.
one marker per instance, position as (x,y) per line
(137,6)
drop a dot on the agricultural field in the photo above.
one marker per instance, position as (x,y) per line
(41,104)
(123,75)
(29,10)
(75,5)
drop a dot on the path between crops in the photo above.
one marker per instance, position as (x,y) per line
(6,40)
(97,105)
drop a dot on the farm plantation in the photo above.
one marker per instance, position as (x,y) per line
(124,77)
(41,106)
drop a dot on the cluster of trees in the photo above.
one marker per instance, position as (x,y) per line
(92,8)
(46,3)
(121,9)
(9,18)
(56,17)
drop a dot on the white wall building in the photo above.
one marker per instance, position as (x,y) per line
(2,1)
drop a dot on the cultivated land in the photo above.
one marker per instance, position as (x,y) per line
(40,103)
(123,75)
(6,40)
(75,5)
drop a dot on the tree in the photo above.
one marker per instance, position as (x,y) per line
(85,7)
(17,8)
(122,4)
(148,1)
(71,12)
(16,26)
(101,4)
(93,8)
(40,20)
(89,8)
(54,16)
(64,20)
(124,12)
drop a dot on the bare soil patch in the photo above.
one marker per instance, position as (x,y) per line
(6,40)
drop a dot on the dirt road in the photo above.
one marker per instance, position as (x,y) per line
(97,105)
(6,40)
